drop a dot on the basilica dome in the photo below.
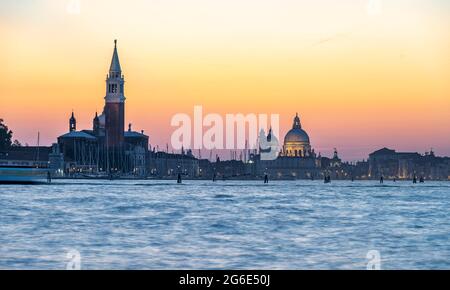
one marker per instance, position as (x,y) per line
(296,135)
(296,141)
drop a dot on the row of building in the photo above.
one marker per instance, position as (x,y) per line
(78,154)
(108,150)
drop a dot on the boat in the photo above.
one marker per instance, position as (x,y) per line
(23,175)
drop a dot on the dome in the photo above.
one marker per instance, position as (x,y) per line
(296,141)
(296,135)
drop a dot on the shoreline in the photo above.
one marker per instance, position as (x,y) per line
(234,179)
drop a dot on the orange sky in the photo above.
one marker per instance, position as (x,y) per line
(359,80)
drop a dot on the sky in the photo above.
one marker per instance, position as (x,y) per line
(362,74)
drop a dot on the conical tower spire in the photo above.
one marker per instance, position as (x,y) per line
(115,63)
(72,123)
(115,80)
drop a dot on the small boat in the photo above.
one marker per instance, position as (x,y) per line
(23,175)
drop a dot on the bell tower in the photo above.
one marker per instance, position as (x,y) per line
(72,123)
(96,124)
(115,103)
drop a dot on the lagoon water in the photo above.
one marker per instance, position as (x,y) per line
(225,225)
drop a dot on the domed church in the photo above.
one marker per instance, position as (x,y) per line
(296,141)
(296,160)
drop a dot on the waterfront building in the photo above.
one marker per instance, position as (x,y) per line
(407,165)
(230,169)
(206,169)
(166,165)
(26,156)
(334,167)
(107,147)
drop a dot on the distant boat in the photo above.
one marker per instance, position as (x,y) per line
(22,175)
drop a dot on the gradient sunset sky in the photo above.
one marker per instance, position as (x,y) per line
(361,78)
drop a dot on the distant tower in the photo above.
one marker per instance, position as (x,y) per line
(115,103)
(335,154)
(336,161)
(72,123)
(96,124)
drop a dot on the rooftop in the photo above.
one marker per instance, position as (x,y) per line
(134,134)
(28,153)
(78,134)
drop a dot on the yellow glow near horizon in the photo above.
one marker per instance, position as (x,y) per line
(359,80)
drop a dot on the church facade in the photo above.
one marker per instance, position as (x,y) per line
(107,147)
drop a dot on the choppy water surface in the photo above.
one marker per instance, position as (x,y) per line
(223,225)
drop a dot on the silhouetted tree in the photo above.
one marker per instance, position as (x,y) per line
(6,137)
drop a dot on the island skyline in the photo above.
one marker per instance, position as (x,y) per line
(357,89)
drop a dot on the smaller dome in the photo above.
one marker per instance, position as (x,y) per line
(296,135)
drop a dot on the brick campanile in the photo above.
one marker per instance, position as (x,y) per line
(115,104)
